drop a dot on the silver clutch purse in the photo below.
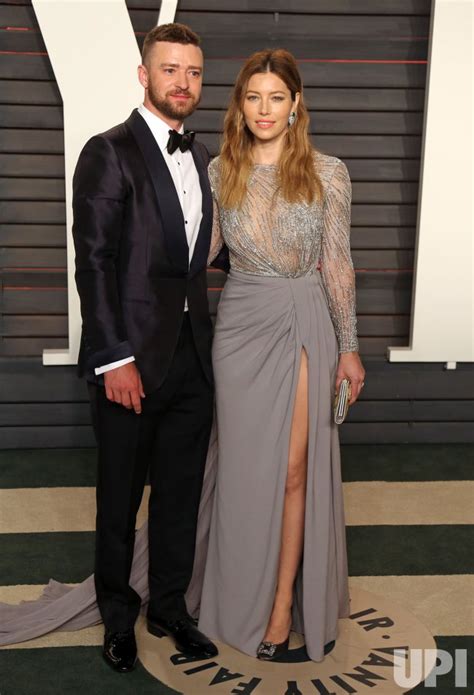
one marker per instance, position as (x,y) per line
(341,402)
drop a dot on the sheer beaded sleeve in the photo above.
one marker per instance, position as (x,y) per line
(217,241)
(337,269)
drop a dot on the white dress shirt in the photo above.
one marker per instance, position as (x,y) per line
(186,182)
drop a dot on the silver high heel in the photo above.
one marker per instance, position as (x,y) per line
(269,651)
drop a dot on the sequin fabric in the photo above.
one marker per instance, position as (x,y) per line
(269,236)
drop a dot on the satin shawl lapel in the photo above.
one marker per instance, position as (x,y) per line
(201,249)
(168,201)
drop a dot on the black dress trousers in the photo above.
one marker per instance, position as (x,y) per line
(170,440)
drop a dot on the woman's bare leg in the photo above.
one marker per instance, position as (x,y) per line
(293,513)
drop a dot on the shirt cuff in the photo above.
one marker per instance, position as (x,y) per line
(113,365)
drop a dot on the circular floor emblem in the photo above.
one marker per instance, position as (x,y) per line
(362,660)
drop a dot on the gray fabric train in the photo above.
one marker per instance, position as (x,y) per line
(62,607)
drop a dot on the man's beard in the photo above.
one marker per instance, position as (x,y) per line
(177,112)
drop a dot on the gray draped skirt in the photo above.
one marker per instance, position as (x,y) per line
(263,324)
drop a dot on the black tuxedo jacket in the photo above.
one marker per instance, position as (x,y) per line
(132,257)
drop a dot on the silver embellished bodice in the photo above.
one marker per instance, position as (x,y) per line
(269,236)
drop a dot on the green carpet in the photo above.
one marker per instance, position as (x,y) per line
(68,670)
(374,551)
(390,462)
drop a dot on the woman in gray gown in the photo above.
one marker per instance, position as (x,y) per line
(285,337)
(271,521)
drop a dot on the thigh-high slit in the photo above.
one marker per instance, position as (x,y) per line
(292,534)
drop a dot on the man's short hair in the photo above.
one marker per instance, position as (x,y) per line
(174,33)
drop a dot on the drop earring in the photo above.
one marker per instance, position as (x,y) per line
(291,118)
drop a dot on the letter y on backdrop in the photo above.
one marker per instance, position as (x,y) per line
(94,54)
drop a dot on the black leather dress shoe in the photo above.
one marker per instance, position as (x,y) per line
(187,638)
(120,650)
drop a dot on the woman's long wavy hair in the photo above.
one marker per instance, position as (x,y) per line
(298,180)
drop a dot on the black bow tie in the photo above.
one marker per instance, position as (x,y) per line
(181,140)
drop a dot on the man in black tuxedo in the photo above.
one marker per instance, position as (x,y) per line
(142,228)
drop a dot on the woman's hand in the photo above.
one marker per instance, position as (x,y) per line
(350,367)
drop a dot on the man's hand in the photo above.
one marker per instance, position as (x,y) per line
(123,385)
(350,367)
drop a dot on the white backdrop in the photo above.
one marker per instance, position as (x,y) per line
(442,320)
(95,64)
